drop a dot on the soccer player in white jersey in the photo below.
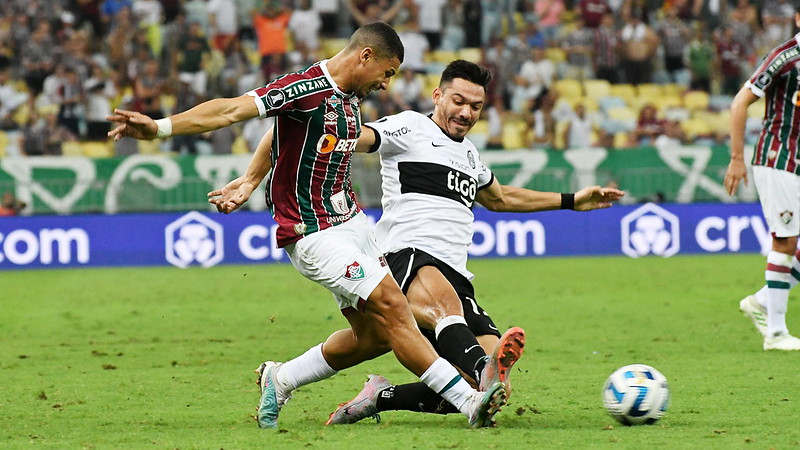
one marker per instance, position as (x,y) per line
(320,224)
(432,175)
(776,176)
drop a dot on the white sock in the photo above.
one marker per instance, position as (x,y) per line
(446,322)
(761,295)
(305,369)
(445,380)
(778,275)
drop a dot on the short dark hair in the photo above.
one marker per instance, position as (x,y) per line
(381,37)
(467,70)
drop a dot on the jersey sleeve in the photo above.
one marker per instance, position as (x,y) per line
(777,62)
(485,175)
(274,98)
(394,132)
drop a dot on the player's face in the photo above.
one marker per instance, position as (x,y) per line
(376,74)
(457,106)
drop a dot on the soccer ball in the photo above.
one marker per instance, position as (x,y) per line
(636,394)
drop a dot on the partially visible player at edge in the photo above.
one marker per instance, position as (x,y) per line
(432,174)
(320,225)
(775,174)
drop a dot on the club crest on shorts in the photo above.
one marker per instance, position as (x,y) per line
(786,217)
(354,271)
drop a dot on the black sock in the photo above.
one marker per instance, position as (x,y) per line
(459,346)
(416,397)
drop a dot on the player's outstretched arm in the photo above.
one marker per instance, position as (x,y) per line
(596,197)
(498,197)
(208,116)
(237,192)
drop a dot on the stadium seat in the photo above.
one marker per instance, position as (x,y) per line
(624,91)
(71,148)
(558,139)
(721,122)
(239,146)
(97,149)
(673,89)
(591,104)
(149,147)
(649,90)
(567,88)
(596,89)
(168,102)
(696,100)
(514,135)
(621,140)
(756,110)
(695,128)
(555,54)
(622,113)
(431,82)
(470,54)
(443,56)
(331,46)
(3,143)
(479,134)
(254,57)
(664,102)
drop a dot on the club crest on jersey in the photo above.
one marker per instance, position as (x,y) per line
(471,158)
(275,98)
(354,271)
(786,217)
(329,143)
(339,202)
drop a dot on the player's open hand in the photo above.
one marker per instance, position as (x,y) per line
(132,124)
(596,197)
(232,196)
(736,172)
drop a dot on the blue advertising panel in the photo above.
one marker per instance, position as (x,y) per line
(207,239)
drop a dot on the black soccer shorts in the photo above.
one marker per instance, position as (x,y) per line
(405,264)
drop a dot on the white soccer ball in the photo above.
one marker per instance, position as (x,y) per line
(636,394)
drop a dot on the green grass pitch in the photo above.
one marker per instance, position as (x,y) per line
(163,358)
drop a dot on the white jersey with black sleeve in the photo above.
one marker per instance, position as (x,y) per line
(429,186)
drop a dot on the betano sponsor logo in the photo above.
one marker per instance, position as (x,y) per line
(329,143)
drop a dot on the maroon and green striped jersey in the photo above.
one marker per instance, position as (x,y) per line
(316,129)
(777,80)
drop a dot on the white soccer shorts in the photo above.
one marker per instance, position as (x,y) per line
(345,259)
(779,193)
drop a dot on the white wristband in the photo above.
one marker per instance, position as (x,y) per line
(164,127)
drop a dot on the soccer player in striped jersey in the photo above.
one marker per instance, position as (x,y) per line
(775,174)
(320,225)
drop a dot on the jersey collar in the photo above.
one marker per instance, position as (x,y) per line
(430,116)
(324,66)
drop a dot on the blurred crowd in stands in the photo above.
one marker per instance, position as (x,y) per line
(568,73)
